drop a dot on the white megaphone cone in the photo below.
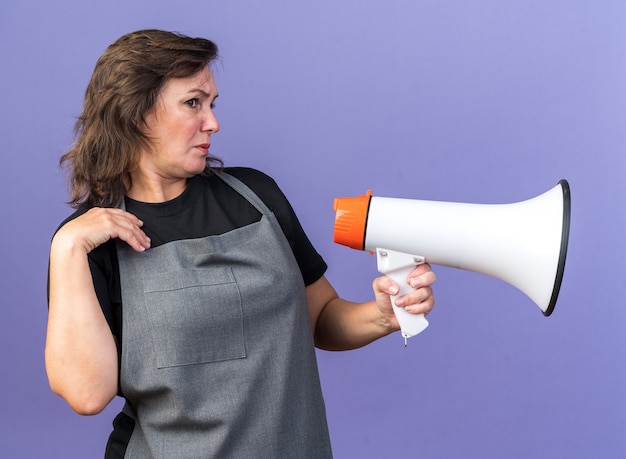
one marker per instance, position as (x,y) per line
(523,243)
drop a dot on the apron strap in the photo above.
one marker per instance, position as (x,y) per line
(245,191)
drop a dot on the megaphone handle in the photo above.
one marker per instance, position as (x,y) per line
(398,266)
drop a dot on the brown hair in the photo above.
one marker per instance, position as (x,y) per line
(124,86)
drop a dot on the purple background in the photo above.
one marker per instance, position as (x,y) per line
(481,101)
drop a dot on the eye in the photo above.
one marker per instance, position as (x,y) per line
(212,105)
(193,103)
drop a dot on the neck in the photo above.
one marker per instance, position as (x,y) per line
(155,189)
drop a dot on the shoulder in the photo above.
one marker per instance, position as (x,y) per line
(101,256)
(264,186)
(253,178)
(77,213)
(311,264)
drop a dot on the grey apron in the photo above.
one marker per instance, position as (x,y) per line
(217,356)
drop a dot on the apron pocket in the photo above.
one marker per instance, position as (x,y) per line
(196,316)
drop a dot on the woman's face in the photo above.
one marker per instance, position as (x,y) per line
(180,126)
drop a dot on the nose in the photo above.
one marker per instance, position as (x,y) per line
(210,123)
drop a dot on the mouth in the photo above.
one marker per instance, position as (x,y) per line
(204,147)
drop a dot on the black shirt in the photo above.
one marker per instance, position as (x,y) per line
(207,207)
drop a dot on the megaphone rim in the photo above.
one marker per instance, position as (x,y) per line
(564,242)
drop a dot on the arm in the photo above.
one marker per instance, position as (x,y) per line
(341,325)
(81,353)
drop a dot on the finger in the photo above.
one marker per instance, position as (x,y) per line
(133,236)
(414,297)
(421,277)
(125,226)
(127,215)
(421,301)
(138,241)
(385,285)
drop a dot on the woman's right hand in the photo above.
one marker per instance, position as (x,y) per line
(98,225)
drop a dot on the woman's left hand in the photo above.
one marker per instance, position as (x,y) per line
(419,301)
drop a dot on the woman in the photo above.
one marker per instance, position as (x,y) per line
(187,288)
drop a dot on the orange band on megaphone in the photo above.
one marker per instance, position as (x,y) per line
(351,220)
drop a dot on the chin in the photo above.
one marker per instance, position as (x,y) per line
(196,170)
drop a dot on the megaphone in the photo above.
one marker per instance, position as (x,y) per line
(523,243)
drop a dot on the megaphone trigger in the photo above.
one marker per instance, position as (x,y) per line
(398,266)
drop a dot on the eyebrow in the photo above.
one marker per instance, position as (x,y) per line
(203,93)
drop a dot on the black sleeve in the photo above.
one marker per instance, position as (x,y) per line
(106,282)
(311,263)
